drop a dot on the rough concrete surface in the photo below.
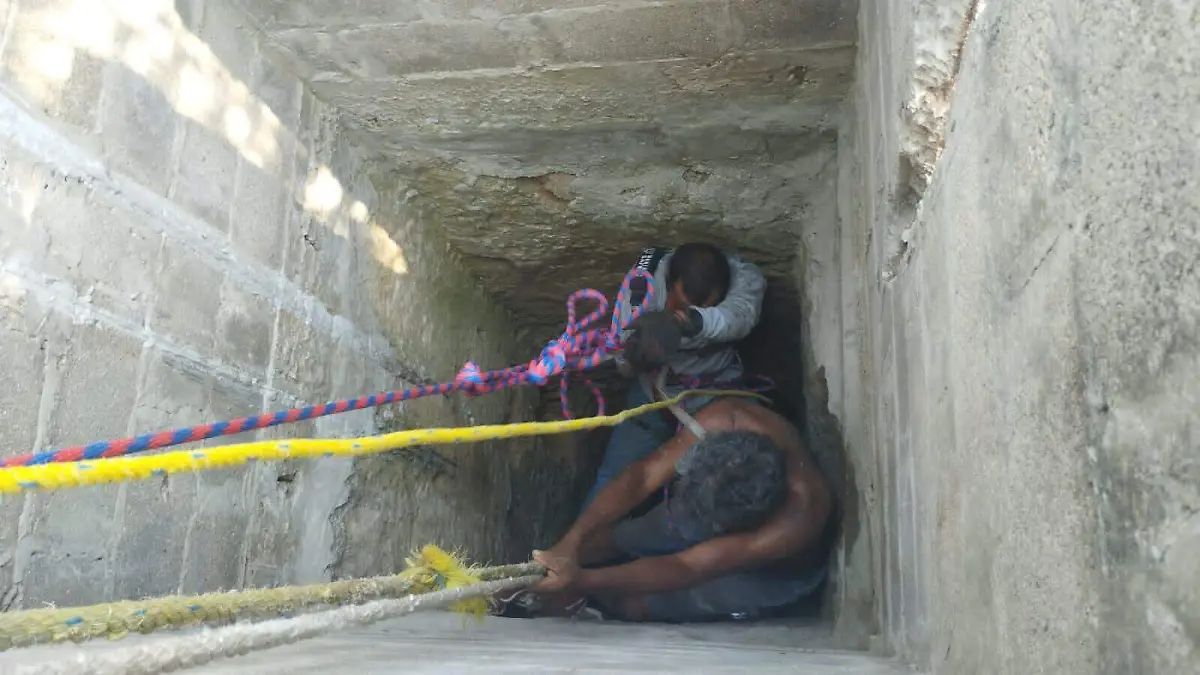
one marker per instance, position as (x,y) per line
(436,642)
(1028,351)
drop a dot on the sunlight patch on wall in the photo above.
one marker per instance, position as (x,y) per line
(149,38)
(323,193)
(386,251)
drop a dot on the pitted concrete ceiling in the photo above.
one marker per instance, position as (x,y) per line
(552,139)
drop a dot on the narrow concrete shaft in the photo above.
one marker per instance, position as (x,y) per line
(554,140)
(980,223)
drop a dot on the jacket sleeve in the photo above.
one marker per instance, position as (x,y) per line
(739,312)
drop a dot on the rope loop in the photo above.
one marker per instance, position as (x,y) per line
(600,312)
(580,348)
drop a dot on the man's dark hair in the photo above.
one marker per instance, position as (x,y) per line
(730,482)
(703,270)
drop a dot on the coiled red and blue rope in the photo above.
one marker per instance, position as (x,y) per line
(577,349)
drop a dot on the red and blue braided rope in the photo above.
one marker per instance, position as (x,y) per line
(576,349)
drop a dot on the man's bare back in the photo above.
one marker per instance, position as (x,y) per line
(810,497)
(691,568)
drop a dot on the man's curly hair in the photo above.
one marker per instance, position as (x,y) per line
(730,482)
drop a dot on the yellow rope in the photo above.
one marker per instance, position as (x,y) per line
(430,570)
(121,469)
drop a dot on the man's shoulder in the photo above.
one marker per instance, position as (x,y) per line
(729,413)
(755,415)
(737,263)
(719,415)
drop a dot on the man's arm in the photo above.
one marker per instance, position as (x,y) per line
(783,536)
(626,491)
(738,313)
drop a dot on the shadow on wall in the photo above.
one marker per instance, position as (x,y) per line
(776,348)
(560,471)
(554,478)
(59,42)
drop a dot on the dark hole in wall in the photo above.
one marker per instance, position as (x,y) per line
(911,182)
(774,349)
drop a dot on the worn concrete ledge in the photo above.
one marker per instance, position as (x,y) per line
(586,95)
(634,31)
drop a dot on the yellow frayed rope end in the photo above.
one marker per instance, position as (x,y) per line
(433,569)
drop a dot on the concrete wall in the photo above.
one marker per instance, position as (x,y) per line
(830,335)
(1021,361)
(556,139)
(187,235)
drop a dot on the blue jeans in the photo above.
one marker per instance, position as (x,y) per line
(747,593)
(631,440)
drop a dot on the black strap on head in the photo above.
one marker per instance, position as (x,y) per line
(647,261)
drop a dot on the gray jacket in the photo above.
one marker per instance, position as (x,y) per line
(711,354)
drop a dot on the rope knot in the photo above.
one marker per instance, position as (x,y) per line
(552,361)
(470,380)
(577,349)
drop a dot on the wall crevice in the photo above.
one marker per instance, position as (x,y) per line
(940,32)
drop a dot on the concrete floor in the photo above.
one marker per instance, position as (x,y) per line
(436,642)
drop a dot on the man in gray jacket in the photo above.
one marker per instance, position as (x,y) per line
(704,301)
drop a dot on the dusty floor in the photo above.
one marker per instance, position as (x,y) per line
(440,643)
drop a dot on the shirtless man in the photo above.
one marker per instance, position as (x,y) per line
(745,526)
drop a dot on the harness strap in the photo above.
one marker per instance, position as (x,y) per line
(654,391)
(647,262)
